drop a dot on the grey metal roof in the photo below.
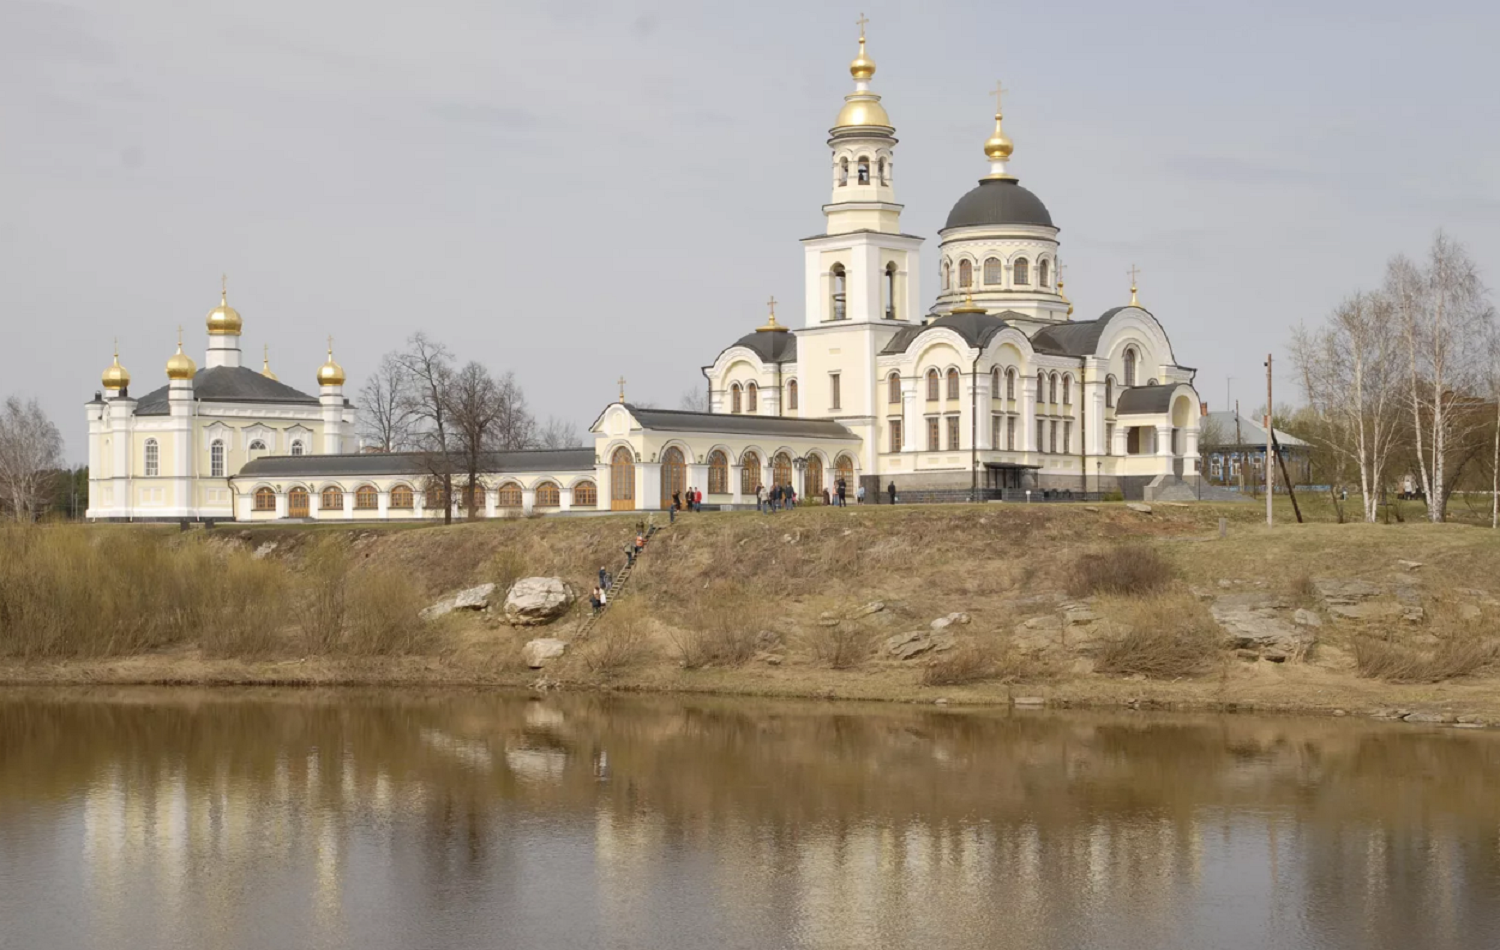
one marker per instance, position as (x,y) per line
(370,464)
(673,420)
(1071,339)
(771,346)
(1143,400)
(228,384)
(998,201)
(976,329)
(1250,432)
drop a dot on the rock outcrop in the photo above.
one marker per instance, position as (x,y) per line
(1256,623)
(534,601)
(538,653)
(472,598)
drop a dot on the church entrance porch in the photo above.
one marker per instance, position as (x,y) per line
(622,480)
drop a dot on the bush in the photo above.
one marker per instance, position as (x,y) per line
(1131,569)
(1452,658)
(251,600)
(382,606)
(720,629)
(841,647)
(323,603)
(1166,640)
(620,643)
(965,663)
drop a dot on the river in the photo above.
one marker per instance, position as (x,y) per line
(167,819)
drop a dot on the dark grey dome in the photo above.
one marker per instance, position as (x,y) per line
(777,346)
(998,201)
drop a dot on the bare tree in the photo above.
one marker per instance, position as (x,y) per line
(1351,375)
(1445,318)
(516,428)
(476,410)
(30,454)
(558,433)
(387,417)
(428,367)
(693,400)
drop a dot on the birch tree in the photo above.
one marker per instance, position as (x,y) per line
(1445,318)
(30,454)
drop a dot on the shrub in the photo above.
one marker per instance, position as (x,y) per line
(323,603)
(251,600)
(382,606)
(1166,640)
(621,642)
(965,663)
(841,647)
(1127,569)
(1452,658)
(719,629)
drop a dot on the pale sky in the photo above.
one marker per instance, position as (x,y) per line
(580,190)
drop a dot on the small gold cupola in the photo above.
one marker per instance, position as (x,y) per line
(862,107)
(224,320)
(115,377)
(771,325)
(180,365)
(330,373)
(998,147)
(265,364)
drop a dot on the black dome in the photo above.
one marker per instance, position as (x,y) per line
(776,346)
(998,201)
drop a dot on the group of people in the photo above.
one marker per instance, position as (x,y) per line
(690,500)
(775,498)
(599,596)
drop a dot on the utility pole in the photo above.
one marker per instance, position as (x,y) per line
(1270,482)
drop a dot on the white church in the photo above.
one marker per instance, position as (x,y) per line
(992,391)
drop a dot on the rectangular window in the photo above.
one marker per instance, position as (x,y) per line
(1054,435)
(953,433)
(996,421)
(1010,433)
(932,434)
(1041,430)
(833,390)
(1109,438)
(216,459)
(153,459)
(895,428)
(1067,442)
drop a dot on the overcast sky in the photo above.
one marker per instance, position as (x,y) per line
(580,190)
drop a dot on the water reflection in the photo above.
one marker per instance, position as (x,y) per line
(367,819)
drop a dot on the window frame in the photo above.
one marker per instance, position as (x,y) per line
(216,455)
(152,458)
(366,498)
(261,496)
(331,498)
(934,385)
(934,434)
(1020,272)
(954,435)
(953,384)
(994,276)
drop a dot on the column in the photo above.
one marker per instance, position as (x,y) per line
(1191,461)
(981,402)
(281,504)
(314,503)
(528,500)
(349,505)
(383,503)
(1027,436)
(564,499)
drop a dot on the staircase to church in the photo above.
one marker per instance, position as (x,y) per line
(617,586)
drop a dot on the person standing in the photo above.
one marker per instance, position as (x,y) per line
(843,494)
(859,493)
(603,577)
(760,498)
(891,490)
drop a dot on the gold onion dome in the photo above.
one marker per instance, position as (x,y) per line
(115,377)
(863,67)
(997,147)
(862,107)
(224,320)
(181,366)
(330,373)
(969,306)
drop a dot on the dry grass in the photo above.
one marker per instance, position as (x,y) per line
(841,647)
(1166,638)
(322,604)
(621,643)
(382,606)
(1463,647)
(968,662)
(718,627)
(1132,569)
(252,597)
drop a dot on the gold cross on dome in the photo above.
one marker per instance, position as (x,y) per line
(330,347)
(622,388)
(862,21)
(999,93)
(179,336)
(772,304)
(224,285)
(1134,273)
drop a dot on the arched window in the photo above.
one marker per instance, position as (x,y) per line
(585,495)
(509,495)
(836,302)
(297,503)
(890,291)
(673,474)
(1052,389)
(734,398)
(257,446)
(932,385)
(1020,272)
(1109,392)
(718,473)
(1043,272)
(1067,390)
(622,480)
(216,459)
(965,274)
(153,459)
(864,170)
(366,498)
(893,387)
(781,469)
(1129,366)
(548,495)
(880,171)
(751,391)
(297,448)
(952,384)
(1041,386)
(434,498)
(843,172)
(791,394)
(265,499)
(843,471)
(994,271)
(403,498)
(995,382)
(749,473)
(333,499)
(947,275)
(812,477)
(1010,383)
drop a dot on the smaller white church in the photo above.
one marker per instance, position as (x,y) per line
(991,390)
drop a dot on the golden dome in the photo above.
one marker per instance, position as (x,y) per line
(224,320)
(115,377)
(265,365)
(181,366)
(862,108)
(330,373)
(863,67)
(997,147)
(969,306)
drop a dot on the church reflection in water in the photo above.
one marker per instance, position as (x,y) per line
(380,820)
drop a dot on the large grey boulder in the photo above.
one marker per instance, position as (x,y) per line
(472,598)
(1256,622)
(538,653)
(533,601)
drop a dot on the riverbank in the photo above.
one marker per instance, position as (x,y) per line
(825,603)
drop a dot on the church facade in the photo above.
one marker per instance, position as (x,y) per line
(991,388)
